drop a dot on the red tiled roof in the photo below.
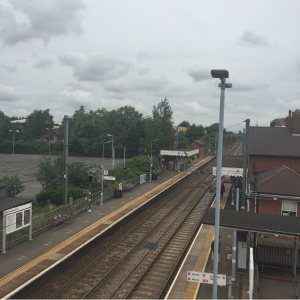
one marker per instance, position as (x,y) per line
(282,180)
(275,141)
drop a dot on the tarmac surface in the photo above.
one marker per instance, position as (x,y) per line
(26,165)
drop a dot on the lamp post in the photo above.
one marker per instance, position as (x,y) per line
(102,172)
(14,130)
(112,149)
(49,139)
(222,75)
(151,160)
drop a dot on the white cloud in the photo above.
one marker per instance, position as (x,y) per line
(194,108)
(7,94)
(39,19)
(95,67)
(199,74)
(9,68)
(252,39)
(44,62)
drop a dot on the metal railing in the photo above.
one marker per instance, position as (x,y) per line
(41,222)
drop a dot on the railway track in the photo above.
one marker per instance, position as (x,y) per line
(115,272)
(141,262)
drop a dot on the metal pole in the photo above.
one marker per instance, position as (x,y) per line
(90,192)
(229,287)
(102,176)
(124,155)
(151,164)
(49,141)
(234,238)
(295,258)
(113,152)
(245,165)
(30,226)
(66,132)
(14,143)
(102,184)
(4,233)
(217,205)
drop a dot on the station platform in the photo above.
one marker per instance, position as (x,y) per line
(31,259)
(199,259)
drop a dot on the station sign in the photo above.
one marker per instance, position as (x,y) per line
(17,217)
(109,178)
(205,278)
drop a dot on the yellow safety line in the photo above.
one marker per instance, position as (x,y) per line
(82,230)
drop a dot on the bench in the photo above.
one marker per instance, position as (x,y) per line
(128,186)
(58,219)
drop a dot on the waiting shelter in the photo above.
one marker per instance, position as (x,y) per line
(174,160)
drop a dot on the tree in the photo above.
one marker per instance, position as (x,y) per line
(194,132)
(50,176)
(13,184)
(160,127)
(185,124)
(37,123)
(46,173)
(4,126)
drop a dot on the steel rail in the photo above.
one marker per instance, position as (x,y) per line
(90,265)
(179,226)
(92,290)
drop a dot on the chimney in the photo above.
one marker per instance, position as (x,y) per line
(288,120)
(296,121)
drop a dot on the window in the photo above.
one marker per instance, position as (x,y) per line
(289,208)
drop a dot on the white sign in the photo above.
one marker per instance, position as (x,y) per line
(105,172)
(17,217)
(109,178)
(205,278)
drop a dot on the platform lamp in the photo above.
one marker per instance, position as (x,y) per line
(49,139)
(151,160)
(112,149)
(102,171)
(222,75)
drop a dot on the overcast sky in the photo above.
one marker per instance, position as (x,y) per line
(61,54)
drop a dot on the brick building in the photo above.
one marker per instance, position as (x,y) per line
(274,164)
(200,145)
(272,147)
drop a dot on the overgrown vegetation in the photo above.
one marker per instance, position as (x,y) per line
(13,185)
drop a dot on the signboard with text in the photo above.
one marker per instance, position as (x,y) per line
(109,178)
(205,278)
(17,217)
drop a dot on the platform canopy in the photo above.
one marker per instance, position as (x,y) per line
(254,222)
(180,152)
(231,166)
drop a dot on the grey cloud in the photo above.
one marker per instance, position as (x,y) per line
(7,94)
(198,74)
(242,86)
(143,71)
(95,67)
(9,68)
(252,39)
(298,67)
(150,85)
(43,62)
(41,19)
(142,56)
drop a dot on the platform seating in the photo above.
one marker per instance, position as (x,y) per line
(58,219)
(128,186)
